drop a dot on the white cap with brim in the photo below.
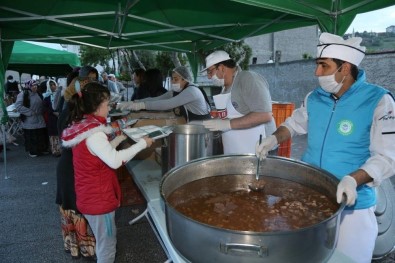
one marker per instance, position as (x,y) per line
(333,46)
(216,57)
(111,75)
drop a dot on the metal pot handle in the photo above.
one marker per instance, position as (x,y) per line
(240,249)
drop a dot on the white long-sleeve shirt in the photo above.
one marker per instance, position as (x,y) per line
(381,163)
(99,145)
(191,98)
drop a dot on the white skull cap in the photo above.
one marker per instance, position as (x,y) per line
(333,46)
(216,57)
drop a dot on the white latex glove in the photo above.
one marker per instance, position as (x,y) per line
(134,106)
(347,186)
(261,150)
(123,105)
(217,125)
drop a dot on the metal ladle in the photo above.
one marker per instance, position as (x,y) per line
(256,186)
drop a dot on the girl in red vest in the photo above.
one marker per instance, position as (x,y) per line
(95,159)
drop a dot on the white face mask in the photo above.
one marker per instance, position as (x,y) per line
(176,87)
(329,83)
(217,82)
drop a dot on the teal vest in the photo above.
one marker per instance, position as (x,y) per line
(339,132)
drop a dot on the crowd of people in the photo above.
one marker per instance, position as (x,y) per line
(350,125)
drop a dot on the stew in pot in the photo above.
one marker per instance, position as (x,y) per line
(223,202)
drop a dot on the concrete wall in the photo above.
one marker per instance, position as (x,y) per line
(292,44)
(291,81)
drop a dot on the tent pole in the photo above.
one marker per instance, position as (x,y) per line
(3,129)
(337,4)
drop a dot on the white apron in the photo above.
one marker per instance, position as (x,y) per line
(240,141)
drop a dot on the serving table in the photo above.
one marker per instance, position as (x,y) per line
(147,174)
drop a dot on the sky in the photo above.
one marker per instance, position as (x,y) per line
(375,21)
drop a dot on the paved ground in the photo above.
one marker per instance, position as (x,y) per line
(29,219)
(30,223)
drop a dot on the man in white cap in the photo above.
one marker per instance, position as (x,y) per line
(247,100)
(111,85)
(351,127)
(120,87)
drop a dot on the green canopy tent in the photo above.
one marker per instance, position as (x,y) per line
(35,59)
(39,60)
(168,25)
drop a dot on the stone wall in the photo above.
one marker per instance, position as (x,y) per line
(291,81)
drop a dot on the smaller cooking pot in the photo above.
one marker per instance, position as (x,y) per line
(185,143)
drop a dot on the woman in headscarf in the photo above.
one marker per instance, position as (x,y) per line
(51,117)
(30,105)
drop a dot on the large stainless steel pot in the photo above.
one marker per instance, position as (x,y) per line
(186,143)
(199,242)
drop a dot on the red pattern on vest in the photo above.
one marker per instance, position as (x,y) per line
(96,184)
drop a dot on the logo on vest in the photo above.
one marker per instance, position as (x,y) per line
(345,127)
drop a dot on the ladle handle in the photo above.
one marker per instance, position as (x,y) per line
(259,160)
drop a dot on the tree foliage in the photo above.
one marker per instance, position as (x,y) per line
(128,60)
(94,56)
(146,57)
(238,51)
(164,62)
(167,61)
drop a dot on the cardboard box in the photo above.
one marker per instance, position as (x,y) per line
(149,153)
(157,118)
(131,195)
(158,156)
